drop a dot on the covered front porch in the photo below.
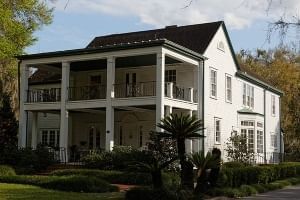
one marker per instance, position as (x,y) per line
(87,130)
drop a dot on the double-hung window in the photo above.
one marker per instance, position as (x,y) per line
(260,141)
(248,95)
(213,83)
(273,107)
(274,140)
(228,83)
(217,130)
(170,76)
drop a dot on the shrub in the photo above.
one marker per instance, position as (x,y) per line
(110,176)
(234,164)
(64,183)
(79,184)
(237,176)
(147,193)
(6,171)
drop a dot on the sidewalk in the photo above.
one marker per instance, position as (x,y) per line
(289,193)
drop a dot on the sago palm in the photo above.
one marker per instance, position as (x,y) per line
(179,128)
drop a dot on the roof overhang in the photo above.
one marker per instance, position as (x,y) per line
(117,47)
(255,81)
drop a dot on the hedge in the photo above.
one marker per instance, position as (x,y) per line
(119,177)
(6,171)
(248,190)
(63,183)
(235,177)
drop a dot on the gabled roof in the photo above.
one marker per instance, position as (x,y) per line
(194,37)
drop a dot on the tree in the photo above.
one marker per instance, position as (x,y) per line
(237,149)
(212,161)
(179,128)
(8,126)
(161,153)
(18,21)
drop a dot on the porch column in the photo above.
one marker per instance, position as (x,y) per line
(169,110)
(160,87)
(34,129)
(189,142)
(64,113)
(109,137)
(22,137)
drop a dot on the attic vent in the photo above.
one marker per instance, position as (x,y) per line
(221,46)
(172,26)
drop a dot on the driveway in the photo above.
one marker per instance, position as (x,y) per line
(288,193)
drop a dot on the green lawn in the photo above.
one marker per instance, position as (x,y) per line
(27,192)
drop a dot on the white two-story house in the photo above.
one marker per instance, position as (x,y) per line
(114,92)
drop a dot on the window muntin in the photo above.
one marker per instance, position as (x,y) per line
(273,105)
(248,95)
(247,123)
(250,140)
(260,141)
(228,83)
(213,83)
(217,130)
(170,76)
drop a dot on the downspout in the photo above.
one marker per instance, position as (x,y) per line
(265,139)
(203,104)
(19,64)
(280,136)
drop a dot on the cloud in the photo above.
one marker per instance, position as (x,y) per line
(238,14)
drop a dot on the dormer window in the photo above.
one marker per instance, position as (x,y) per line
(221,46)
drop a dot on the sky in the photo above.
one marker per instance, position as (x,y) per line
(77,22)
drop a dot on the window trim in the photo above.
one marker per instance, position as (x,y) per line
(216,83)
(226,92)
(215,130)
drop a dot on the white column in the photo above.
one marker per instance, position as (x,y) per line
(169,110)
(64,114)
(109,138)
(34,129)
(170,90)
(189,142)
(160,87)
(24,73)
(191,93)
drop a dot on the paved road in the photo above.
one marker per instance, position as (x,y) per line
(289,193)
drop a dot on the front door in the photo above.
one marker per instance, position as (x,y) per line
(94,136)
(129,134)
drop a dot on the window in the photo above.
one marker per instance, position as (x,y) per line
(170,76)
(220,46)
(248,131)
(260,124)
(273,108)
(213,83)
(250,140)
(50,137)
(273,140)
(260,141)
(228,83)
(217,130)
(248,95)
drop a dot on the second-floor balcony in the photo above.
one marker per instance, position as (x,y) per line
(125,90)
(88,92)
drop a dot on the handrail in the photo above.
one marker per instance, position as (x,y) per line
(87,92)
(44,95)
(139,89)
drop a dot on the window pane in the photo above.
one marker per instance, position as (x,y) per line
(52,138)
